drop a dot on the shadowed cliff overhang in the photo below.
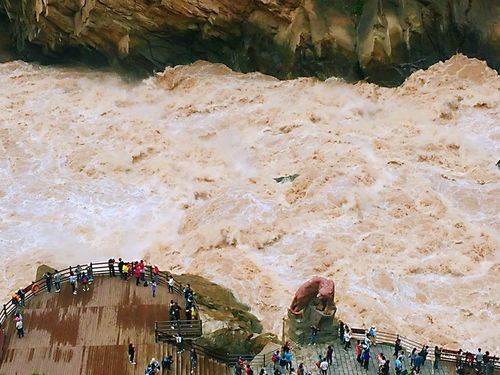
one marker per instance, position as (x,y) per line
(382,41)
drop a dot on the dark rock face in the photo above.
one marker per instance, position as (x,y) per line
(228,325)
(7,50)
(381,40)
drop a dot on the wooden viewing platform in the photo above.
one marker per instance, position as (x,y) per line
(89,333)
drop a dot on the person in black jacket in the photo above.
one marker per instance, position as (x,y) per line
(120,268)
(111,267)
(166,363)
(131,353)
(48,281)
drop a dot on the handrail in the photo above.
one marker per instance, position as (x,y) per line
(258,360)
(98,269)
(188,329)
(448,355)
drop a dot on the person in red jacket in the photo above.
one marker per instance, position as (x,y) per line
(137,274)
(156,272)
(142,267)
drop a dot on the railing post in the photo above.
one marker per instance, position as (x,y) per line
(283,338)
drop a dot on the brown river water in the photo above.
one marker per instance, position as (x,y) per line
(397,197)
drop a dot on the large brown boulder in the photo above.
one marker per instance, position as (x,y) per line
(228,325)
(382,40)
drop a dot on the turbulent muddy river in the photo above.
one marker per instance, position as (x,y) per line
(396,199)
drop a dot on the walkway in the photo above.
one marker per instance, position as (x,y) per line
(89,333)
(346,364)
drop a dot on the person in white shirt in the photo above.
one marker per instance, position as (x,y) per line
(347,338)
(323,366)
(171,283)
(20,329)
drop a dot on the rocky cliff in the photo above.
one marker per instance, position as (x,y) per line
(379,40)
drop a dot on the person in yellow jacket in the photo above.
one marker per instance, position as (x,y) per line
(125,271)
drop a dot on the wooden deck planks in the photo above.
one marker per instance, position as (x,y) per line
(89,333)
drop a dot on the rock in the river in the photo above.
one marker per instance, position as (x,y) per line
(228,326)
(380,40)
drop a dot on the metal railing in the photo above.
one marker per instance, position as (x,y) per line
(230,359)
(188,329)
(408,345)
(98,269)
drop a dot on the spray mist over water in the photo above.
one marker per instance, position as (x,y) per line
(397,198)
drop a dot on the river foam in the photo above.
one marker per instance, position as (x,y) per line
(397,198)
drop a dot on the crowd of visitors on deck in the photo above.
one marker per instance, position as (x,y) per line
(81,278)
(404,363)
(411,363)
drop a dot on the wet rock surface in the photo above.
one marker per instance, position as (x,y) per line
(382,41)
(228,326)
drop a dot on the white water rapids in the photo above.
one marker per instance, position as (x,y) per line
(397,198)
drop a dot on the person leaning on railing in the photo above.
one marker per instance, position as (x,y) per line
(16,302)
(48,281)
(111,267)
(57,281)
(437,357)
(121,263)
(73,281)
(488,364)
(21,293)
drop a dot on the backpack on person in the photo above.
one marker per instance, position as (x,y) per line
(274,357)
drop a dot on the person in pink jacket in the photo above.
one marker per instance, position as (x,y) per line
(137,275)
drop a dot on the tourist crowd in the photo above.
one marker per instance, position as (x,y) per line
(467,363)
(81,278)
(403,364)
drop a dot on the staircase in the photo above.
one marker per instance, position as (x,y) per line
(182,363)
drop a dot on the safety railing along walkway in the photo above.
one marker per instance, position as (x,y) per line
(188,329)
(98,269)
(230,359)
(408,345)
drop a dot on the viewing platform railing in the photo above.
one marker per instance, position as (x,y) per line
(230,359)
(408,345)
(188,329)
(98,270)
